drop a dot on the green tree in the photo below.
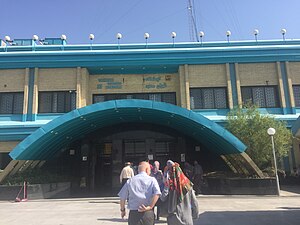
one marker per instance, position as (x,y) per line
(251,128)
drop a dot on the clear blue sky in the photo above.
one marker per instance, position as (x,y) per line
(104,18)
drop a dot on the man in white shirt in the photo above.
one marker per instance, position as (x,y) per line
(142,192)
(127,172)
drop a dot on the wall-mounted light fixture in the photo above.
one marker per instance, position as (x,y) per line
(63,37)
(146,36)
(34,39)
(91,37)
(7,41)
(173,36)
(228,34)
(119,36)
(201,35)
(255,32)
(283,32)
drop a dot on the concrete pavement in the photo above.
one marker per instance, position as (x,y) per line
(214,210)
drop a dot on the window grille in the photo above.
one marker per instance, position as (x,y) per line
(208,98)
(11,103)
(262,96)
(159,97)
(57,101)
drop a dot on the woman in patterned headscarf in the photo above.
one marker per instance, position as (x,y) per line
(178,194)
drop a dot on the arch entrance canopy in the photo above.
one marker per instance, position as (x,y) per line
(49,139)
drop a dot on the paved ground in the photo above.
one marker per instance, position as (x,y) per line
(214,210)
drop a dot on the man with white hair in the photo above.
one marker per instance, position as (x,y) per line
(142,192)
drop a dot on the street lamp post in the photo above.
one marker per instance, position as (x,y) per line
(271,132)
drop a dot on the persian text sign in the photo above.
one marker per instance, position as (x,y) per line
(154,82)
(109,83)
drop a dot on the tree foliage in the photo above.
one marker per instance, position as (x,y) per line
(251,128)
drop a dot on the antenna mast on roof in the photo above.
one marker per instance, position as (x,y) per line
(192,21)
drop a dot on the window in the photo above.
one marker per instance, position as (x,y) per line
(296,89)
(263,96)
(135,147)
(57,102)
(11,103)
(159,97)
(208,98)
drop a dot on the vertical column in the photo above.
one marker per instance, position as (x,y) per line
(290,87)
(184,87)
(81,87)
(229,87)
(35,94)
(25,101)
(30,95)
(85,88)
(233,81)
(281,88)
(187,86)
(78,87)
(238,86)
(182,97)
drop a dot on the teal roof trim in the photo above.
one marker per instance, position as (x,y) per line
(47,141)
(157,58)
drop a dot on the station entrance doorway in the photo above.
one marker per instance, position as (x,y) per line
(130,143)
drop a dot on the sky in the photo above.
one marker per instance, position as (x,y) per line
(105,18)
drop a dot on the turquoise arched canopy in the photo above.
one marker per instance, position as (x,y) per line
(45,142)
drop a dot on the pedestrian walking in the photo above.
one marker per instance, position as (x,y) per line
(142,192)
(126,173)
(188,170)
(198,177)
(179,196)
(158,175)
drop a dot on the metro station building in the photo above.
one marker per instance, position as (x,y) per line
(89,108)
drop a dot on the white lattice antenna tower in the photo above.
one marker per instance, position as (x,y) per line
(193,31)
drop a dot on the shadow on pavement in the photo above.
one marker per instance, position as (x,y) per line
(275,217)
(117,220)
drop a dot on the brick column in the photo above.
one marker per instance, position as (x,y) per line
(280,85)
(229,87)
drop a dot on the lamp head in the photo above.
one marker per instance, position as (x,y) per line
(271,131)
(119,36)
(283,31)
(256,32)
(63,37)
(35,37)
(7,38)
(228,33)
(201,34)
(146,35)
(173,34)
(91,37)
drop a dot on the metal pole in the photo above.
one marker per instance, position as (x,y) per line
(275,165)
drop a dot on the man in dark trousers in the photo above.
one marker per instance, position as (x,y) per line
(142,192)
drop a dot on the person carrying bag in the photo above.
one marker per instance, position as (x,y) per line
(178,199)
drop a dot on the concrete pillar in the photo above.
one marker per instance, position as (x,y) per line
(229,87)
(238,85)
(280,86)
(85,88)
(26,95)
(184,87)
(78,88)
(35,92)
(82,90)
(290,84)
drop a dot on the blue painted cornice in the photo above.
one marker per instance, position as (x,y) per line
(158,57)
